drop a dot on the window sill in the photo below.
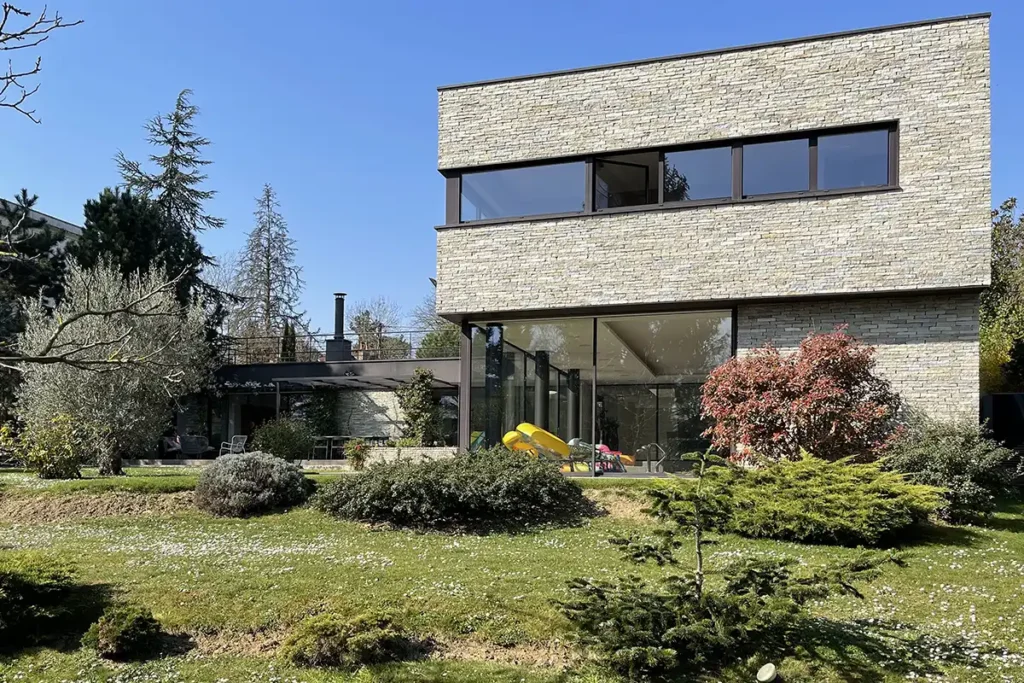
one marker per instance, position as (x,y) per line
(679,206)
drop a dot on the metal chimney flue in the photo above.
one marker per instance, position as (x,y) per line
(339,315)
(339,348)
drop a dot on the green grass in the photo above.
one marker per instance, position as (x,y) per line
(225,579)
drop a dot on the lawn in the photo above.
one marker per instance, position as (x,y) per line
(235,587)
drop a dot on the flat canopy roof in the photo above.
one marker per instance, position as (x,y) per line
(365,382)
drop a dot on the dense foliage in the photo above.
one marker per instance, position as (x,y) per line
(34,597)
(55,449)
(285,437)
(150,351)
(824,398)
(245,484)
(678,625)
(483,488)
(814,501)
(418,406)
(973,469)
(124,632)
(356,451)
(1002,304)
(328,640)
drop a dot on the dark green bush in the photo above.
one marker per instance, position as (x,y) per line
(284,437)
(815,501)
(124,632)
(34,597)
(249,483)
(664,629)
(484,488)
(328,640)
(973,469)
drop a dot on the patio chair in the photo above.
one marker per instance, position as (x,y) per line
(236,445)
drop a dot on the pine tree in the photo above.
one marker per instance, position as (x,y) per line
(130,232)
(176,187)
(268,282)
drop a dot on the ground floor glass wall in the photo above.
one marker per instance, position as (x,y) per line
(630,383)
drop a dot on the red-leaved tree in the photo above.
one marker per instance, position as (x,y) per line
(824,398)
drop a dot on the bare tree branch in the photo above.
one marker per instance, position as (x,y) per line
(29,36)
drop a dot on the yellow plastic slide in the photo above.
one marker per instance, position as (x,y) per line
(540,442)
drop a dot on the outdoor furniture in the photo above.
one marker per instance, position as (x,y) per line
(236,445)
(195,447)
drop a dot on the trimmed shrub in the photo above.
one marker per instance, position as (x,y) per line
(973,469)
(284,437)
(824,398)
(328,640)
(483,488)
(124,632)
(34,597)
(814,501)
(249,483)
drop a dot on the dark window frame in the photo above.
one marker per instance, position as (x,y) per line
(453,178)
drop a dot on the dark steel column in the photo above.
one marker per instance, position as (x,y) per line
(572,411)
(277,399)
(465,384)
(493,380)
(541,386)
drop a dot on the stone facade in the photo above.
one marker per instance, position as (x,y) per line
(370,413)
(932,233)
(927,346)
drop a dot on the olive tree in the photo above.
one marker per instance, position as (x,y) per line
(113,356)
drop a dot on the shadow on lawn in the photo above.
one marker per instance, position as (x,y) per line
(941,535)
(60,626)
(870,650)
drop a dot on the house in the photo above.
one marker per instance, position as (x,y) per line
(265,377)
(612,233)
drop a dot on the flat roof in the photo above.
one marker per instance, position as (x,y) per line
(725,50)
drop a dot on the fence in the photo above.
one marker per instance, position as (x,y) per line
(382,344)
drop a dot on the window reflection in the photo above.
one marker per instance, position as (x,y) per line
(698,174)
(772,167)
(853,160)
(526,191)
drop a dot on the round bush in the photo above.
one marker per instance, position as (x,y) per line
(124,632)
(249,483)
(330,641)
(484,488)
(284,437)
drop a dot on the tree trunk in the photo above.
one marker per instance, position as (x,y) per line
(110,463)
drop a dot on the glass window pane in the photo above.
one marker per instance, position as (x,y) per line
(626,180)
(853,160)
(532,190)
(698,174)
(649,372)
(771,167)
(503,398)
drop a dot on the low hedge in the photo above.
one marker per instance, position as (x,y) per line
(485,488)
(328,640)
(125,632)
(815,501)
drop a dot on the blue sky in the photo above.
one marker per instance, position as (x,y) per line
(334,103)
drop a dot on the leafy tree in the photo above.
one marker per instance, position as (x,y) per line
(176,185)
(416,400)
(14,37)
(268,282)
(440,343)
(824,398)
(1002,304)
(113,356)
(130,232)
